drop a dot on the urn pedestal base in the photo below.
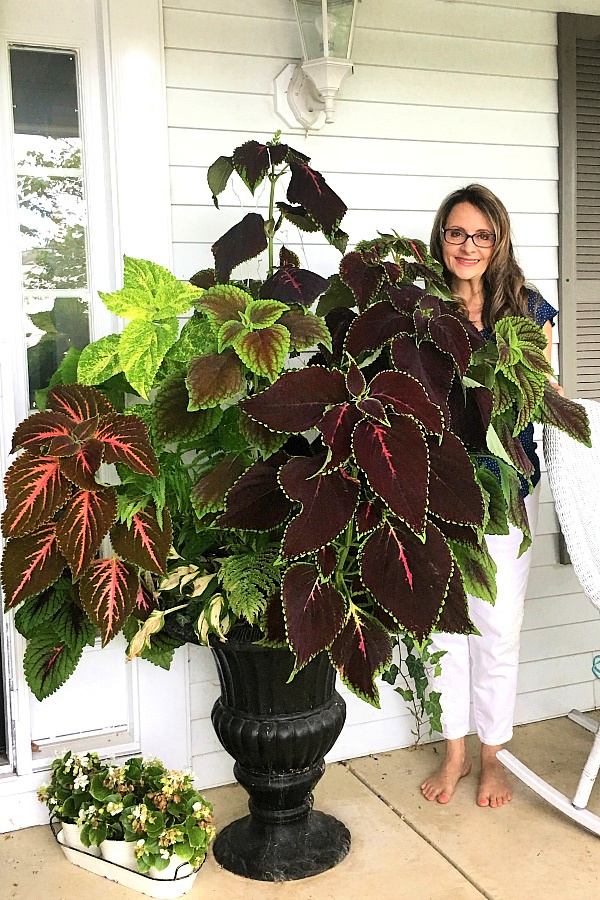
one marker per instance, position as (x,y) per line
(278,732)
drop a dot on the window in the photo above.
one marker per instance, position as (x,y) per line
(52,209)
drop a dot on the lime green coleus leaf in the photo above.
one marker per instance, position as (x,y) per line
(150,292)
(142,348)
(196,339)
(264,351)
(100,360)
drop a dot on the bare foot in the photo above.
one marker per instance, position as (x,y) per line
(441,785)
(494,786)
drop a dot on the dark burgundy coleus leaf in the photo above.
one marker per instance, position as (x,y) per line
(448,333)
(85,431)
(298,216)
(208,494)
(337,426)
(432,306)
(252,161)
(407,577)
(360,653)
(326,561)
(309,189)
(273,621)
(393,271)
(355,380)
(374,409)
(475,338)
(563,413)
(406,396)
(368,517)
(470,415)
(146,542)
(363,279)
(427,364)
(298,399)
(30,564)
(242,242)
(375,327)
(454,492)
(260,436)
(328,503)
(81,468)
(459,534)
(314,611)
(287,257)
(256,501)
(205,279)
(293,285)
(514,448)
(395,461)
(338,322)
(35,489)
(78,401)
(404,297)
(454,618)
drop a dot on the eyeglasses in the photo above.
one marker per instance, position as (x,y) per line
(460,236)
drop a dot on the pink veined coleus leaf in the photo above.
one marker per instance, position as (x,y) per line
(38,430)
(83,525)
(35,490)
(31,564)
(361,652)
(108,593)
(406,396)
(125,440)
(82,467)
(145,542)
(337,426)
(79,402)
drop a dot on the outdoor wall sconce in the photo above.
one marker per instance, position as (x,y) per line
(304,93)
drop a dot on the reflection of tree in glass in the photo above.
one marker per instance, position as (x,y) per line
(57,259)
(64,326)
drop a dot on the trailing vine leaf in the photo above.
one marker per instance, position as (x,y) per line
(48,662)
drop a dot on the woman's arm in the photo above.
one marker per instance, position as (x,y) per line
(547,329)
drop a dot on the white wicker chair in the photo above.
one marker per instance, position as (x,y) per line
(573,472)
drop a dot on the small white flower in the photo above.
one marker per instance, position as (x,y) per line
(165,854)
(81,782)
(141,842)
(197,806)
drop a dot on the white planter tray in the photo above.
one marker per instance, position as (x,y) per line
(162,889)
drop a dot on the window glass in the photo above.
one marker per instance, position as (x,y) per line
(52,208)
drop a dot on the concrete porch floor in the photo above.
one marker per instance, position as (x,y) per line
(402,846)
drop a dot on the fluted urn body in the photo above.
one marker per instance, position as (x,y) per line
(278,734)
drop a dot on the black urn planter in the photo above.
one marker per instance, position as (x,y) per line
(278,734)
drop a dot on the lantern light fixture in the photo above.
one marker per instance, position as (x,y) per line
(307,90)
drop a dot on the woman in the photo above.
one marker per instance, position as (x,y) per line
(471,239)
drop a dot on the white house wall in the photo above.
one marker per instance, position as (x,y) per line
(443,93)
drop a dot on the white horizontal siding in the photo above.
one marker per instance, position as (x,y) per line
(444,93)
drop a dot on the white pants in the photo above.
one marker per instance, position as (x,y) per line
(487,664)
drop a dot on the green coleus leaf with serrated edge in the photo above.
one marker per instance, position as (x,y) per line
(496,521)
(100,360)
(48,662)
(150,292)
(37,611)
(223,303)
(306,330)
(71,624)
(264,351)
(565,414)
(515,504)
(218,175)
(171,420)
(478,570)
(162,646)
(532,390)
(263,313)
(505,392)
(141,350)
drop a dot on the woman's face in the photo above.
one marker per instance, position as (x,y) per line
(465,261)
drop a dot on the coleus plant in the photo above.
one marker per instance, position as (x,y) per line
(57,514)
(236,340)
(384,512)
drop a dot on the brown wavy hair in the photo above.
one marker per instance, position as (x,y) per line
(505,291)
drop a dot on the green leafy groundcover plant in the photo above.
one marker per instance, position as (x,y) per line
(335,505)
